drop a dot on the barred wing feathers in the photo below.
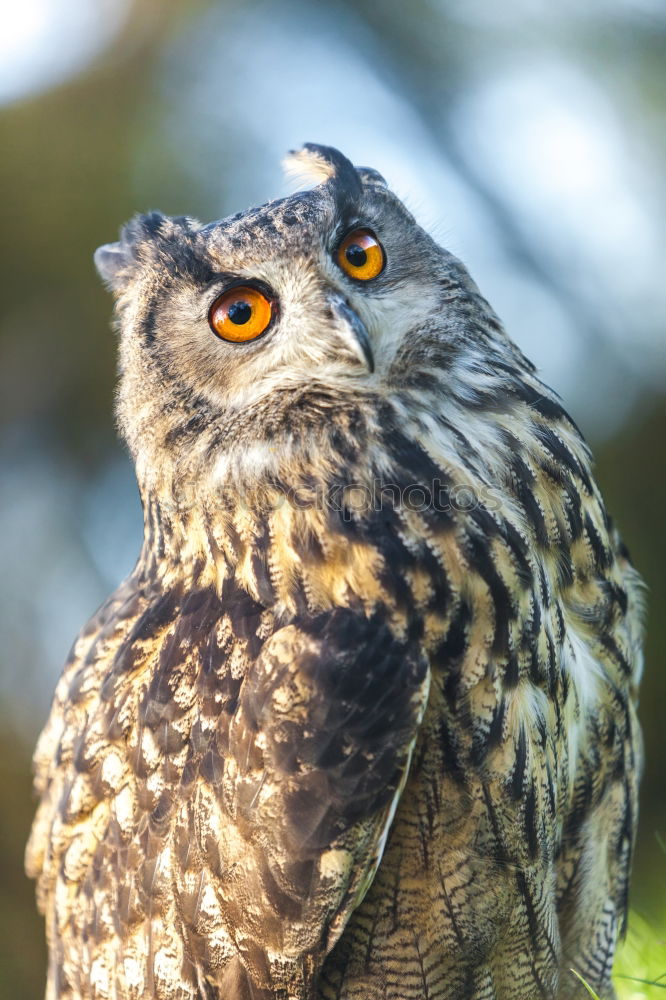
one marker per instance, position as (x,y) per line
(217,792)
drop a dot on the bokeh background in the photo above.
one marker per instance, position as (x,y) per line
(527,135)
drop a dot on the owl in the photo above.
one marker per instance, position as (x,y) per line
(361,723)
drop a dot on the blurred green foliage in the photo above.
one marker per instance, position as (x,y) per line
(22,947)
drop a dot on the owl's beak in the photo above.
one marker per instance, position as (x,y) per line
(353,330)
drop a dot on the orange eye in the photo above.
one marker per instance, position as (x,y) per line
(240,314)
(361,255)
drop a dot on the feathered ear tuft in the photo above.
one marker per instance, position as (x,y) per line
(372,176)
(307,166)
(116,262)
(327,165)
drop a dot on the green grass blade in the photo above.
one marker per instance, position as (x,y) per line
(586,985)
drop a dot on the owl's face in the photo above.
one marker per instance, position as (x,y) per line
(335,287)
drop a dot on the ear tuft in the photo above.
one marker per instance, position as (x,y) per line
(117,262)
(307,166)
(325,164)
(113,261)
(372,176)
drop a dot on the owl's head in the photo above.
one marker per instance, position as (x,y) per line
(227,329)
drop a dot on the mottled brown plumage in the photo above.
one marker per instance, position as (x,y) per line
(361,723)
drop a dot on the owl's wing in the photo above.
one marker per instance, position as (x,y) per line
(215,802)
(319,750)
